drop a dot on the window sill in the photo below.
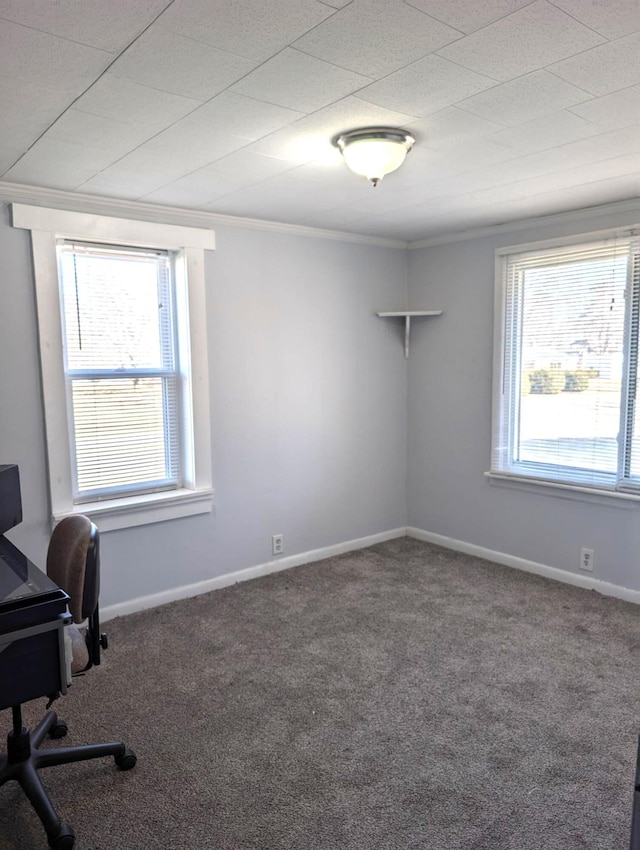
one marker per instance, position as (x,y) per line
(607,498)
(142,510)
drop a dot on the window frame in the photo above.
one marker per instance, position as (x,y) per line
(189,244)
(502,419)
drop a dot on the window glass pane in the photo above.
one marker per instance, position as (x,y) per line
(118,320)
(123,433)
(116,310)
(571,363)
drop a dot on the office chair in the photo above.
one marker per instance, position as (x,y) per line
(73,563)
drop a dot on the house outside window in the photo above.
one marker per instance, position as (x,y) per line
(566,372)
(121,315)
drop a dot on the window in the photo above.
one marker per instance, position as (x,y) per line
(567,355)
(124,365)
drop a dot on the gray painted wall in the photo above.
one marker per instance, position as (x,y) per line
(308,395)
(315,411)
(449,439)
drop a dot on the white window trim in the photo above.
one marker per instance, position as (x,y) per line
(47,225)
(561,489)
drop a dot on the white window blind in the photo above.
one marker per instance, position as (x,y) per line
(565,410)
(121,369)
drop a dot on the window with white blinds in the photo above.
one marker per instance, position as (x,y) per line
(121,369)
(122,326)
(564,409)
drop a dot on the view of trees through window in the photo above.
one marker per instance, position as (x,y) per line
(571,366)
(565,409)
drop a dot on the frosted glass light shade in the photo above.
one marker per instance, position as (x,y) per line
(374,151)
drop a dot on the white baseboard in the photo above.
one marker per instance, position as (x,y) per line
(589,583)
(186,591)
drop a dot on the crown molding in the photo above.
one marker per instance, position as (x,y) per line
(161,214)
(631,205)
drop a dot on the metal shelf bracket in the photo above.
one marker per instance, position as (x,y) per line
(407,315)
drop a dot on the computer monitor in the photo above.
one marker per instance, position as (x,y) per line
(10,498)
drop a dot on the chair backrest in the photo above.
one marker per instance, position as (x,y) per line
(73,563)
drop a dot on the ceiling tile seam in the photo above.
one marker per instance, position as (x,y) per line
(212,47)
(218,49)
(590,94)
(280,106)
(86,111)
(181,118)
(531,178)
(39,85)
(306,114)
(593,47)
(259,64)
(486,76)
(511,79)
(455,194)
(209,164)
(463,34)
(356,92)
(414,62)
(100,75)
(489,135)
(84,43)
(145,86)
(570,109)
(61,37)
(150,138)
(300,50)
(577,20)
(540,67)
(415,118)
(319,24)
(229,87)
(593,98)
(583,182)
(178,120)
(226,194)
(473,32)
(326,62)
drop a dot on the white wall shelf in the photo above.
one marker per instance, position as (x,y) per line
(407,315)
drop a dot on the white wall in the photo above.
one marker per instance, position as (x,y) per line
(308,395)
(449,398)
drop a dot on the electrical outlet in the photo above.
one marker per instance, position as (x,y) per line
(277,544)
(587,557)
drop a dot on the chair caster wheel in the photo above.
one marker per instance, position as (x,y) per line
(64,840)
(127,760)
(58,730)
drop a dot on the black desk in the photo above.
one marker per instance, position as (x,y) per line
(33,614)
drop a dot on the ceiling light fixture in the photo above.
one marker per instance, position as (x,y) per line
(374,151)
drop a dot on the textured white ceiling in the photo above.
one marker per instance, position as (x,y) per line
(520,107)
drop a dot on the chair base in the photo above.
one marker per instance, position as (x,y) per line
(24,759)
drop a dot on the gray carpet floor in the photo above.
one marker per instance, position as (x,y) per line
(401,697)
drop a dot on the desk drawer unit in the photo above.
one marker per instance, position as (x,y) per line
(32,662)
